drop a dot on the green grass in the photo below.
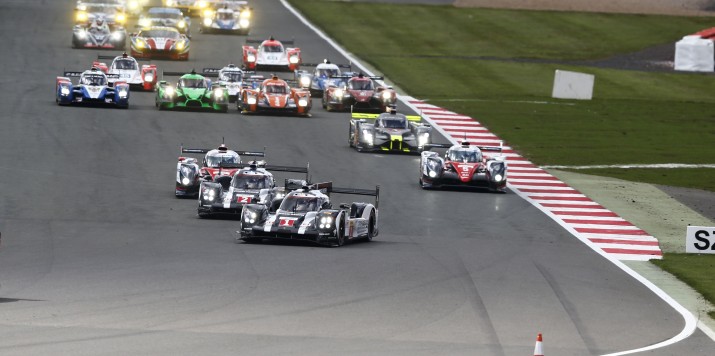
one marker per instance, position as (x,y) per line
(695,270)
(463,59)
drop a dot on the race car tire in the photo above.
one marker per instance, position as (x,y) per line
(371,227)
(423,185)
(350,139)
(340,232)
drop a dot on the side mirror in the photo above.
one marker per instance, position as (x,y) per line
(344,206)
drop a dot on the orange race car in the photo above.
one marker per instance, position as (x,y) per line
(275,95)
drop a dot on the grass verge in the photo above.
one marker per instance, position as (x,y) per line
(693,269)
(498,66)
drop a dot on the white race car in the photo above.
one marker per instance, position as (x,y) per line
(230,77)
(128,70)
(271,55)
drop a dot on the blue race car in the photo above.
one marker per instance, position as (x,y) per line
(93,87)
(318,80)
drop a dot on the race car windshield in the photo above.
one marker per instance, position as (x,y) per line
(360,84)
(232,76)
(192,83)
(393,123)
(464,156)
(329,72)
(275,89)
(93,79)
(214,161)
(250,182)
(160,34)
(299,204)
(164,15)
(125,64)
(225,16)
(272,49)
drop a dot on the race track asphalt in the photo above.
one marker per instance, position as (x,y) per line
(99,257)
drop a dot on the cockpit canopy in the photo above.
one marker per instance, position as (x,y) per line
(194,83)
(215,157)
(231,76)
(124,63)
(300,204)
(327,72)
(251,181)
(360,84)
(276,89)
(93,79)
(464,155)
(398,121)
(272,48)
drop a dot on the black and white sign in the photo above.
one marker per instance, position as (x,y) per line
(700,239)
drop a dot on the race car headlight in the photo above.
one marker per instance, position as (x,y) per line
(498,178)
(65,91)
(367,135)
(250,217)
(325,222)
(244,23)
(120,18)
(294,59)
(432,174)
(140,43)
(185,181)
(209,194)
(218,92)
(181,24)
(201,3)
(144,22)
(180,45)
(251,58)
(133,5)
(169,3)
(302,102)
(338,93)
(82,34)
(386,95)
(207,21)
(251,100)
(245,14)
(169,91)
(305,82)
(82,7)
(149,77)
(81,16)
(122,93)
(116,35)
(280,195)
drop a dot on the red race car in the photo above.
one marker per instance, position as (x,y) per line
(274,95)
(160,43)
(271,55)
(359,93)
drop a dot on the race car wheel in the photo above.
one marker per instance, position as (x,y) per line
(350,138)
(371,227)
(423,185)
(340,230)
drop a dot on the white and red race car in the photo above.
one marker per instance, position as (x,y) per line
(463,166)
(142,77)
(271,55)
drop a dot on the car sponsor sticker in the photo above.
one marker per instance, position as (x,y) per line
(287,222)
(244,199)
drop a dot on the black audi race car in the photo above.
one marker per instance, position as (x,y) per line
(390,132)
(306,214)
(252,183)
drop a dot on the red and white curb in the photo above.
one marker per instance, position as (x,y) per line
(604,228)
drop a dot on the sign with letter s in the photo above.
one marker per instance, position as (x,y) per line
(700,239)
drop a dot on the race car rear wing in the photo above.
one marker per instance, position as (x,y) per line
(104,56)
(209,71)
(273,168)
(356,191)
(348,66)
(373,77)
(206,150)
(359,115)
(449,145)
(178,74)
(258,41)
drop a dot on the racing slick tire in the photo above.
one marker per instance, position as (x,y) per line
(371,227)
(340,232)
(423,185)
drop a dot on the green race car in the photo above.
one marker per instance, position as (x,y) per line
(193,91)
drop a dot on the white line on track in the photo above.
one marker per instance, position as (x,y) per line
(690,322)
(657,165)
